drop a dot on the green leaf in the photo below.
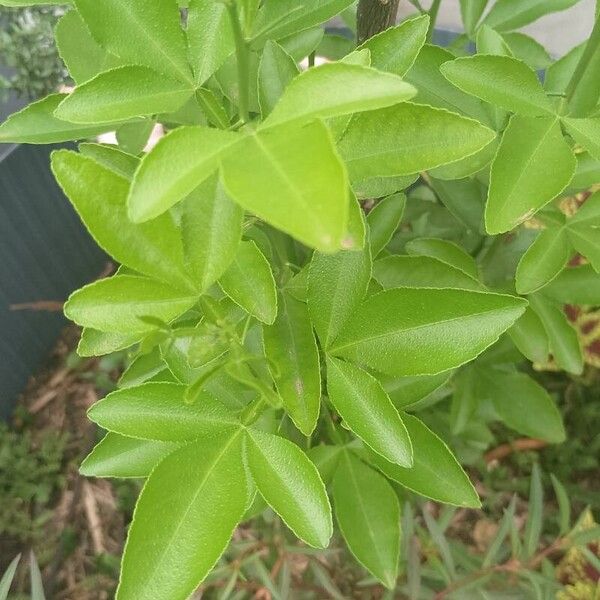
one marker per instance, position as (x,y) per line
(588,214)
(467,166)
(275,71)
(368,514)
(384,220)
(249,282)
(501,80)
(336,89)
(368,411)
(420,272)
(587,172)
(123,93)
(412,331)
(529,336)
(270,165)
(133,137)
(8,576)
(175,167)
(465,399)
(211,227)
(585,132)
(508,14)
(534,164)
(445,251)
(112,158)
(583,91)
(119,456)
(465,199)
(291,348)
(405,139)
(36,124)
(99,343)
(276,20)
(82,55)
(121,302)
(210,37)
(559,74)
(291,485)
(160,412)
(405,392)
(396,49)
(140,33)
(544,260)
(436,474)
(35,578)
(154,248)
(471,12)
(337,283)
(213,109)
(564,505)
(579,285)
(489,41)
(522,404)
(434,89)
(535,510)
(184,519)
(586,240)
(564,343)
(529,50)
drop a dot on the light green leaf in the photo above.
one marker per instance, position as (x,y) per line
(82,55)
(123,93)
(210,37)
(534,164)
(405,139)
(272,165)
(211,227)
(471,12)
(276,20)
(337,283)
(434,89)
(564,344)
(36,124)
(119,456)
(421,272)
(405,392)
(588,214)
(529,50)
(368,411)
(465,399)
(175,167)
(587,173)
(380,187)
(249,282)
(337,89)
(384,220)
(586,240)
(121,302)
(112,158)
(154,249)
(291,484)
(436,474)
(464,198)
(522,404)
(501,80)
(489,41)
(544,260)
(412,331)
(8,576)
(133,137)
(445,251)
(159,412)
(368,514)
(508,14)
(141,33)
(35,578)
(585,132)
(184,519)
(396,49)
(291,348)
(564,505)
(535,514)
(529,336)
(579,285)
(99,343)
(559,74)
(275,71)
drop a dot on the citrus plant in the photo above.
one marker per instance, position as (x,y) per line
(309,256)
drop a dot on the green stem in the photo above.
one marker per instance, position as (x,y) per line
(243,61)
(433,15)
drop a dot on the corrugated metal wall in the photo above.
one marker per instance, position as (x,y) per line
(45,253)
